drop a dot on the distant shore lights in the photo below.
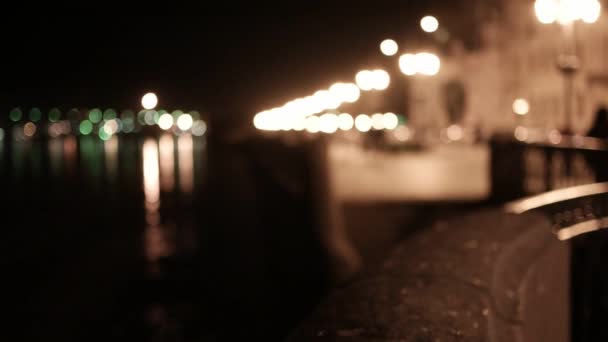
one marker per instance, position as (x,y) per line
(149,101)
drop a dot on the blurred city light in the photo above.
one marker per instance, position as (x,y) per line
(455,133)
(521,107)
(345,122)
(95,115)
(521,133)
(555,137)
(381,79)
(184,122)
(390,121)
(35,114)
(165,121)
(402,133)
(389,47)
(109,114)
(378,121)
(365,80)
(199,128)
(29,129)
(86,127)
(429,24)
(407,64)
(328,123)
(54,115)
(149,101)
(345,92)
(111,127)
(313,124)
(299,123)
(363,123)
(567,11)
(16,114)
(427,64)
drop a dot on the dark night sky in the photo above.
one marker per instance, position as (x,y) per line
(237,63)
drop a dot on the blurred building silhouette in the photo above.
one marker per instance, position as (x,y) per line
(513,57)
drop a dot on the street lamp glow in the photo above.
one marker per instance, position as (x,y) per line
(313,124)
(427,64)
(328,123)
(591,11)
(165,121)
(299,123)
(363,123)
(429,24)
(184,122)
(381,79)
(378,121)
(521,107)
(389,47)
(546,11)
(365,80)
(345,122)
(567,11)
(407,64)
(390,121)
(345,92)
(149,101)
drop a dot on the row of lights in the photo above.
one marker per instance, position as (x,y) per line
(280,118)
(330,123)
(298,114)
(567,11)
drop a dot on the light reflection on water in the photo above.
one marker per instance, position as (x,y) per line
(185,163)
(167,162)
(122,169)
(156,240)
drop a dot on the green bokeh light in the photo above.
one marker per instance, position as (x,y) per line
(1,134)
(128,125)
(54,115)
(35,114)
(103,135)
(16,114)
(86,127)
(141,117)
(95,115)
(109,114)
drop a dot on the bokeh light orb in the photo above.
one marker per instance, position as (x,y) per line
(390,121)
(389,47)
(521,107)
(184,122)
(429,24)
(363,123)
(345,122)
(149,101)
(165,121)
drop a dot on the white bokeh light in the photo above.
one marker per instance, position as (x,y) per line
(521,107)
(184,122)
(407,64)
(149,101)
(165,121)
(363,123)
(389,47)
(429,24)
